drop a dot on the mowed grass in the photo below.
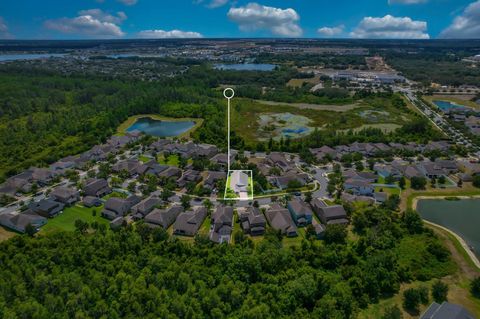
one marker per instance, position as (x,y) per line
(66,220)
(172,160)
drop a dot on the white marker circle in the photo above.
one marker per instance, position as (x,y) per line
(228,93)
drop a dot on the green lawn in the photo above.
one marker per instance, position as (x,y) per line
(115,194)
(144,159)
(388,190)
(172,160)
(66,220)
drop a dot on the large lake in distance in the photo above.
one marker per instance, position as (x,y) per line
(159,128)
(246,67)
(460,216)
(16,57)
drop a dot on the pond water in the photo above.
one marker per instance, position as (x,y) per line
(460,216)
(245,67)
(159,128)
(16,57)
(278,125)
(446,106)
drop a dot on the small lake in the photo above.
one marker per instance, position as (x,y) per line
(18,57)
(159,128)
(460,216)
(447,106)
(246,67)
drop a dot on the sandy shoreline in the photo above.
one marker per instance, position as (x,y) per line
(462,242)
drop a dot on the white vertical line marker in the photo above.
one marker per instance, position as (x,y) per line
(228,93)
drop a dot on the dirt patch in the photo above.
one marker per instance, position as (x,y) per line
(5,234)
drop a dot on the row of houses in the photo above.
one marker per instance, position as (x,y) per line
(373,149)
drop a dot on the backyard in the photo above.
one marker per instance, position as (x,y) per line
(66,220)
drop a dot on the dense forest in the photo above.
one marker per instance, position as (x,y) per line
(440,67)
(143,273)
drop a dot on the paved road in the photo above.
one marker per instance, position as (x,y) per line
(321,178)
(439,121)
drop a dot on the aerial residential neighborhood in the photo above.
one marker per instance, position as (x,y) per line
(240,159)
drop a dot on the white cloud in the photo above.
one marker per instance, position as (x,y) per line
(4,33)
(103,16)
(128,2)
(406,1)
(390,27)
(93,22)
(331,31)
(173,34)
(253,16)
(212,4)
(466,25)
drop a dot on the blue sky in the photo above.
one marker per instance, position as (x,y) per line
(83,19)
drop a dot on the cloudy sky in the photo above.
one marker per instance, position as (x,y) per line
(85,19)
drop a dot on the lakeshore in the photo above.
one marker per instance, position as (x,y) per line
(461,242)
(123,128)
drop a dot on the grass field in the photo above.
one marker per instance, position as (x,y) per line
(173,160)
(129,122)
(66,220)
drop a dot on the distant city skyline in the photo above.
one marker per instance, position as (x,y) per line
(125,19)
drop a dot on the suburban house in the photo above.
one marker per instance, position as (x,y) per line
(90,201)
(206,150)
(19,183)
(118,207)
(97,188)
(163,217)
(222,224)
(332,215)
(189,176)
(284,180)
(319,229)
(239,182)
(188,223)
(42,176)
(129,166)
(359,187)
(431,170)
(276,159)
(65,195)
(350,198)
(280,219)
(20,221)
(301,213)
(170,172)
(253,222)
(323,152)
(446,310)
(145,206)
(117,222)
(212,178)
(151,167)
(316,203)
(46,208)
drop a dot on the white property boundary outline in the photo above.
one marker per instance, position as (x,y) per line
(250,179)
